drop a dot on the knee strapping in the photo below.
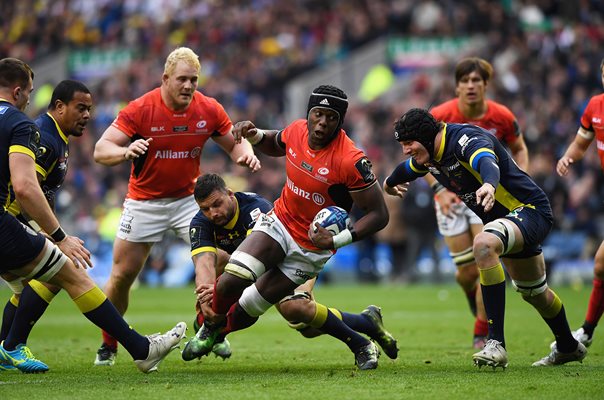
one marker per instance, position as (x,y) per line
(52,261)
(531,288)
(245,266)
(504,230)
(16,286)
(463,258)
(252,302)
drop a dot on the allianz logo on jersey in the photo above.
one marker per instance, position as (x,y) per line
(175,155)
(317,198)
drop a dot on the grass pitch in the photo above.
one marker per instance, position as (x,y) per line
(433,326)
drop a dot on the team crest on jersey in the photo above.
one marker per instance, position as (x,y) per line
(323,171)
(364,168)
(514,213)
(201,124)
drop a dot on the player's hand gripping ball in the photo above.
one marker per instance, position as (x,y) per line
(332,218)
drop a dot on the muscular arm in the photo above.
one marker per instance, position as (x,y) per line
(241,152)
(114,147)
(520,152)
(28,192)
(205,267)
(375,213)
(268,144)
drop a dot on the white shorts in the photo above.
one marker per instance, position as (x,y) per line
(147,220)
(299,264)
(458,221)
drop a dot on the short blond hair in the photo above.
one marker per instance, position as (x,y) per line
(181,54)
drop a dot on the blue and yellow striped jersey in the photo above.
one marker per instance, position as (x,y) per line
(456,167)
(205,236)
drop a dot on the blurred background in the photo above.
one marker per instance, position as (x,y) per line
(261,58)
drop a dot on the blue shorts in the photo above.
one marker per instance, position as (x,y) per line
(535,224)
(19,244)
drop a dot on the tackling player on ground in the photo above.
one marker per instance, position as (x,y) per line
(224,220)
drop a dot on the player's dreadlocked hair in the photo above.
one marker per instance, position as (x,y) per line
(417,125)
(331,97)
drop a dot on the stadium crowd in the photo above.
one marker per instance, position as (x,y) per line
(546,55)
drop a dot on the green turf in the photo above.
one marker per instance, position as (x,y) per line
(270,361)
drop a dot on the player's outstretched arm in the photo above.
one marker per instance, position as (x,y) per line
(240,151)
(263,140)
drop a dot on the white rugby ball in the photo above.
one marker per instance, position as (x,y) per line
(332,218)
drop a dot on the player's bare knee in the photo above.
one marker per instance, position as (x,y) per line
(467,276)
(599,269)
(485,246)
(300,309)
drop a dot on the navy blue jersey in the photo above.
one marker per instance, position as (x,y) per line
(51,160)
(456,167)
(18,134)
(205,236)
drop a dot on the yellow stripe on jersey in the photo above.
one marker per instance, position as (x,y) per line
(41,171)
(90,300)
(438,156)
(14,300)
(502,196)
(480,151)
(414,168)
(204,249)
(17,148)
(235,218)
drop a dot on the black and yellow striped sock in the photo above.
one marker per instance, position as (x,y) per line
(328,322)
(555,317)
(492,284)
(99,310)
(32,305)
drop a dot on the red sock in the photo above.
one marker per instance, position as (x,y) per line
(481,327)
(200,319)
(596,302)
(237,319)
(222,304)
(109,340)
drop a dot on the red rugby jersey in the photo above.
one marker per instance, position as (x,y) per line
(318,178)
(498,119)
(593,121)
(172,163)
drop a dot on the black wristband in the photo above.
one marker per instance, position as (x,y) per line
(58,235)
(355,237)
(437,187)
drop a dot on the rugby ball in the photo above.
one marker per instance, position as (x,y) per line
(332,218)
